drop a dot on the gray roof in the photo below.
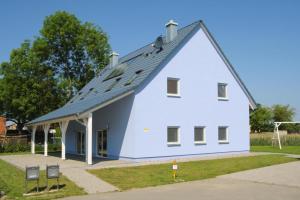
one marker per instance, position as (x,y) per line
(131,71)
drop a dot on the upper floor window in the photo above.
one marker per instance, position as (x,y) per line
(222,91)
(173,87)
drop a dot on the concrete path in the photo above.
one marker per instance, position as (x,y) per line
(274,182)
(75,170)
(89,182)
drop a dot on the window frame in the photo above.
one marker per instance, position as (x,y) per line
(178,87)
(178,136)
(226,141)
(204,135)
(226,91)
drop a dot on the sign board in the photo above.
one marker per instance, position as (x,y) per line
(175,167)
(32,173)
(52,171)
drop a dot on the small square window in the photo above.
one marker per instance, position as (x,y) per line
(173,135)
(199,135)
(222,91)
(173,87)
(223,134)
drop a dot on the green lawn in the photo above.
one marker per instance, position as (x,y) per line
(153,175)
(285,149)
(12,182)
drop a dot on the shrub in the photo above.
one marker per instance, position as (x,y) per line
(10,148)
(21,147)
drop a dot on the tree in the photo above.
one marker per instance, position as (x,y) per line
(261,119)
(283,113)
(27,87)
(75,51)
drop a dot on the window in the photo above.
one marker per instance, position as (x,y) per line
(223,134)
(199,135)
(113,85)
(173,87)
(222,91)
(117,71)
(173,135)
(136,74)
(87,93)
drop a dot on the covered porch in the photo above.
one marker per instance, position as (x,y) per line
(86,121)
(92,132)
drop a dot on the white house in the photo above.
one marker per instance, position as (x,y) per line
(177,96)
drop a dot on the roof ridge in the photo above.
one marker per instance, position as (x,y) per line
(198,21)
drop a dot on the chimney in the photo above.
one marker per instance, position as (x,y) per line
(113,59)
(171,30)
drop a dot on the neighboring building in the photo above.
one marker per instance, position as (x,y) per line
(2,126)
(11,125)
(177,96)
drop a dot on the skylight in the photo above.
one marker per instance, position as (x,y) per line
(113,85)
(118,71)
(87,93)
(134,76)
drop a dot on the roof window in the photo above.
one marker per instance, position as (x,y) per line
(134,76)
(118,71)
(113,85)
(87,93)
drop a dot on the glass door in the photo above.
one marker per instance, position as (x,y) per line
(80,144)
(102,143)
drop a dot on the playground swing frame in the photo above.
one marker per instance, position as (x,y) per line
(276,130)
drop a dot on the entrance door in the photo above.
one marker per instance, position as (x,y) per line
(80,145)
(102,143)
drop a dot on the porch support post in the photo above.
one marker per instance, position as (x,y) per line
(46,130)
(89,137)
(63,127)
(33,140)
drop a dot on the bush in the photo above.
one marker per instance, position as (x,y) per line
(21,147)
(11,148)
(266,139)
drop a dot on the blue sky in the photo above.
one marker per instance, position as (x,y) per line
(260,38)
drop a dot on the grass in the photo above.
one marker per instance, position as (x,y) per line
(12,182)
(161,174)
(285,149)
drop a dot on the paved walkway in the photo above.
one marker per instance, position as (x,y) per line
(89,182)
(75,170)
(275,182)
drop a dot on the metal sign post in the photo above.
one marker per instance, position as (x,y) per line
(174,168)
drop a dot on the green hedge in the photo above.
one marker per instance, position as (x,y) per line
(266,139)
(12,148)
